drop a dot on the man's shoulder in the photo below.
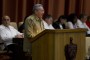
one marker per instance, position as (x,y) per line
(31,17)
(44,22)
(1,26)
(11,26)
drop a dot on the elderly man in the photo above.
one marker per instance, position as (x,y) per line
(7,33)
(48,20)
(33,25)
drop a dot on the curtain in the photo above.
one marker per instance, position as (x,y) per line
(19,9)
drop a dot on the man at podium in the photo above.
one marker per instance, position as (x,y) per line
(33,25)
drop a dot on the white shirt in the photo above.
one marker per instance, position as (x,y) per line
(46,26)
(79,24)
(7,34)
(60,26)
(83,25)
(71,26)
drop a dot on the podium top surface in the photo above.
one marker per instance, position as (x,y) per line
(66,30)
(58,31)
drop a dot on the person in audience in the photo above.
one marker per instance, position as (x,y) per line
(72,20)
(22,26)
(60,23)
(48,20)
(88,21)
(81,23)
(33,26)
(7,33)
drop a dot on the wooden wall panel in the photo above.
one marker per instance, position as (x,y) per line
(24,10)
(86,7)
(9,7)
(1,10)
(29,6)
(79,7)
(50,7)
(66,7)
(18,9)
(50,45)
(56,8)
(72,6)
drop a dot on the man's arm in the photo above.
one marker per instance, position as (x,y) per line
(18,34)
(29,28)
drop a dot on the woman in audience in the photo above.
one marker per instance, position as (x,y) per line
(48,20)
(60,23)
(81,23)
(72,19)
(82,20)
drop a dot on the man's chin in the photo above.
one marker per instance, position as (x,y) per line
(40,17)
(7,25)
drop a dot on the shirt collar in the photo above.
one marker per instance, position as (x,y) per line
(38,19)
(5,26)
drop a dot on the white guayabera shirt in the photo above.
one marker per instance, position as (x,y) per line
(71,26)
(7,34)
(46,26)
(83,25)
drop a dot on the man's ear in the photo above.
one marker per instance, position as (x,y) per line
(35,11)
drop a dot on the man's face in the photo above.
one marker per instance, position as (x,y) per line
(84,19)
(40,12)
(49,21)
(63,21)
(6,20)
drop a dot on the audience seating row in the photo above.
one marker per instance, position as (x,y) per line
(14,24)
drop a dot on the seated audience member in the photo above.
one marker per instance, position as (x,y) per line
(22,26)
(81,23)
(7,33)
(72,19)
(48,20)
(60,23)
(88,21)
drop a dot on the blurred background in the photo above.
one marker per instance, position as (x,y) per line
(19,9)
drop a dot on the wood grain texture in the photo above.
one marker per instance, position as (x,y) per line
(50,44)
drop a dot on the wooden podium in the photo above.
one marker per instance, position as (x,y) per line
(50,44)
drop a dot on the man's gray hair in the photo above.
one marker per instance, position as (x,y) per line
(36,7)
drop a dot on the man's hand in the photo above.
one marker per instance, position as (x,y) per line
(19,36)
